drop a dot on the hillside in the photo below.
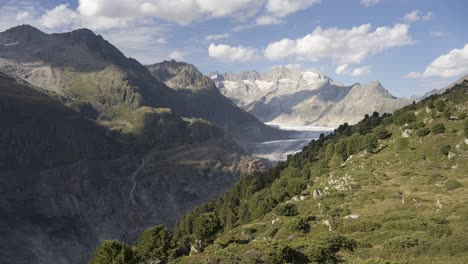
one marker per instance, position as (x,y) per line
(83,67)
(67,181)
(390,189)
(304,97)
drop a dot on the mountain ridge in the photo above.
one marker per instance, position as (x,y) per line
(318,101)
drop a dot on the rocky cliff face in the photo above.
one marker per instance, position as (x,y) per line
(303,97)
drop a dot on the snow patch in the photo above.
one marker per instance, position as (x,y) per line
(264,85)
(311,77)
(287,81)
(214,76)
(248,82)
(298,127)
(230,85)
(11,44)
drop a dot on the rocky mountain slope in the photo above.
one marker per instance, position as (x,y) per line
(83,67)
(389,189)
(88,152)
(300,97)
(211,104)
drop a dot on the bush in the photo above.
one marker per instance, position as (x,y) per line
(422,132)
(405,118)
(286,209)
(402,242)
(154,244)
(369,141)
(359,226)
(465,128)
(445,149)
(381,132)
(299,224)
(439,105)
(452,185)
(277,252)
(295,186)
(324,250)
(112,251)
(206,225)
(438,129)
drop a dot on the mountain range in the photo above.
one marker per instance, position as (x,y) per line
(96,146)
(295,96)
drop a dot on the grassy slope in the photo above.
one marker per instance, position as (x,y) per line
(408,212)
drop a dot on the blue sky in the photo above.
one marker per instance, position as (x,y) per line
(411,47)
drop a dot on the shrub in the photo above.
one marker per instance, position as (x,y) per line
(154,244)
(439,105)
(206,225)
(438,129)
(359,226)
(299,224)
(295,186)
(452,185)
(286,209)
(405,118)
(277,252)
(422,132)
(369,141)
(112,251)
(465,128)
(445,149)
(416,125)
(324,250)
(381,132)
(402,242)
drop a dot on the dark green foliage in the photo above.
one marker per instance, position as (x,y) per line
(369,141)
(277,252)
(416,125)
(324,250)
(299,224)
(422,132)
(359,226)
(452,185)
(114,252)
(295,186)
(445,149)
(402,242)
(429,103)
(286,209)
(354,144)
(404,118)
(341,148)
(438,129)
(439,105)
(154,244)
(381,132)
(206,226)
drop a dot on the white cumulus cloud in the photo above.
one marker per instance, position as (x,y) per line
(361,71)
(228,53)
(282,8)
(368,3)
(417,15)
(343,46)
(448,65)
(59,17)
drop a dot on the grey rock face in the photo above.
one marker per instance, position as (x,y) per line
(304,97)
